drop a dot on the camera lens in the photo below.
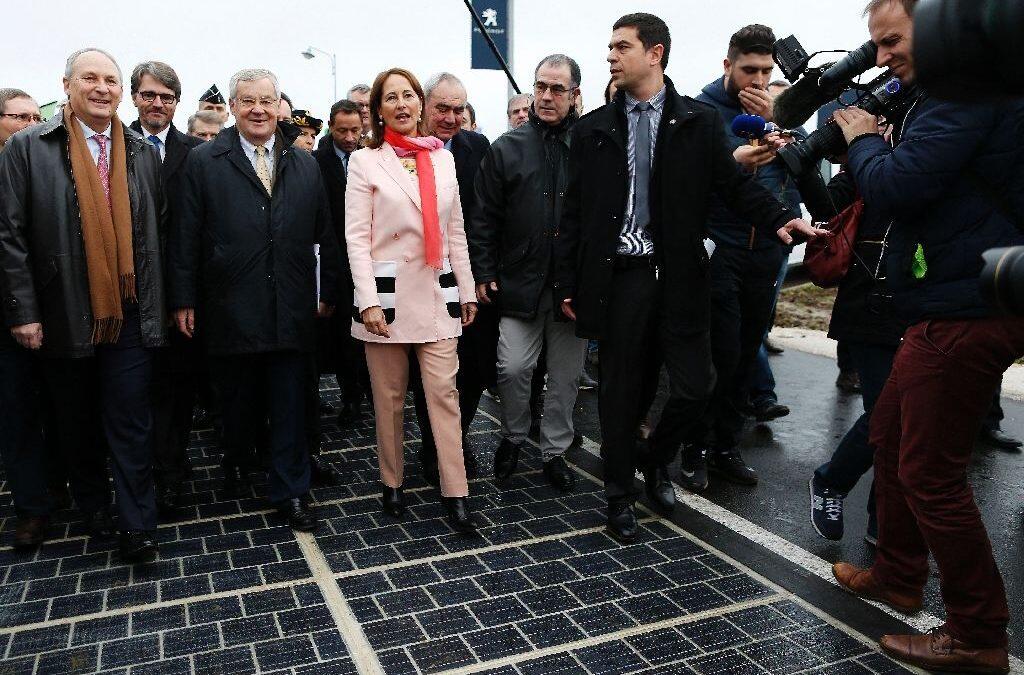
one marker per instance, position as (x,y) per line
(1002,279)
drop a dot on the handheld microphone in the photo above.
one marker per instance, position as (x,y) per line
(752,127)
(858,61)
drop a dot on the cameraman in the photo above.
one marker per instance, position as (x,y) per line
(953,185)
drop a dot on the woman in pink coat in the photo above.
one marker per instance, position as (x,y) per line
(413,284)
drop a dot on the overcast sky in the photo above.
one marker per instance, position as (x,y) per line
(206,41)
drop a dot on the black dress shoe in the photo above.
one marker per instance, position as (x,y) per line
(999,440)
(558,474)
(166,500)
(848,382)
(300,517)
(659,489)
(98,524)
(394,501)
(236,482)
(729,465)
(137,547)
(770,410)
(772,348)
(30,531)
(506,458)
(458,514)
(323,472)
(622,523)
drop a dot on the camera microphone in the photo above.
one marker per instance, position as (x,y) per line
(860,60)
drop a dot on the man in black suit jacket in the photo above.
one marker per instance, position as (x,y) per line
(443,113)
(156,91)
(336,350)
(631,266)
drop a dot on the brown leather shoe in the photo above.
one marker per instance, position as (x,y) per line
(860,582)
(31,531)
(938,650)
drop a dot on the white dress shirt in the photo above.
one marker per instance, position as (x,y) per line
(162,146)
(94,147)
(250,151)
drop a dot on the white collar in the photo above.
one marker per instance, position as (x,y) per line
(251,147)
(89,133)
(162,135)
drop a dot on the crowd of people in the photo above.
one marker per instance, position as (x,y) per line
(153,280)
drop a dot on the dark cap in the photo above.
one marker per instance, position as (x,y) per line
(212,95)
(302,118)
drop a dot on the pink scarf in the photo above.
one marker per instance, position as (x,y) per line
(420,146)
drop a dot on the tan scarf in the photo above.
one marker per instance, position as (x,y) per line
(106,228)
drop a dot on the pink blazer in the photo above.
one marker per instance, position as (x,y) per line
(384,233)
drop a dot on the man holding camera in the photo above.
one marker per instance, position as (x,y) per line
(952,184)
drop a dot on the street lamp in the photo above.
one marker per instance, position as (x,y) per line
(310,52)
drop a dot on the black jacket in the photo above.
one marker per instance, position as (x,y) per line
(723,225)
(332,171)
(519,191)
(953,186)
(173,166)
(863,310)
(245,260)
(42,256)
(693,161)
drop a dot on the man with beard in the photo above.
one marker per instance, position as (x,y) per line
(512,238)
(155,90)
(744,267)
(445,110)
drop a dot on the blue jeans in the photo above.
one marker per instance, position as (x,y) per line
(21,440)
(854,455)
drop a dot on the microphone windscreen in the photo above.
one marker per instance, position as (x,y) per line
(748,126)
(797,104)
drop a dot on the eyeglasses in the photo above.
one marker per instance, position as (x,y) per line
(150,96)
(265,102)
(363,106)
(444,109)
(556,89)
(23,117)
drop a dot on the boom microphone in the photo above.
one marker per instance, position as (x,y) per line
(800,102)
(860,60)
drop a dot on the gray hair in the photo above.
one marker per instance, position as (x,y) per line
(358,89)
(69,66)
(159,71)
(9,94)
(252,75)
(435,80)
(557,60)
(517,97)
(206,117)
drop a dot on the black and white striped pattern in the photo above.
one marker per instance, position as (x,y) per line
(450,290)
(634,239)
(384,273)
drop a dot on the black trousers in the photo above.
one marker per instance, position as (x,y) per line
(743,297)
(175,387)
(274,384)
(636,340)
(113,388)
(21,438)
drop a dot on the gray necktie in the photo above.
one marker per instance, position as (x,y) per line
(642,170)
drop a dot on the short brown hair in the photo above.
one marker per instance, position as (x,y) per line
(874,5)
(377,93)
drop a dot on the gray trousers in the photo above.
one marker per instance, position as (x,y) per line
(519,346)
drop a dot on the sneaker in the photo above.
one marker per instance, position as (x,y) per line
(693,468)
(826,510)
(730,465)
